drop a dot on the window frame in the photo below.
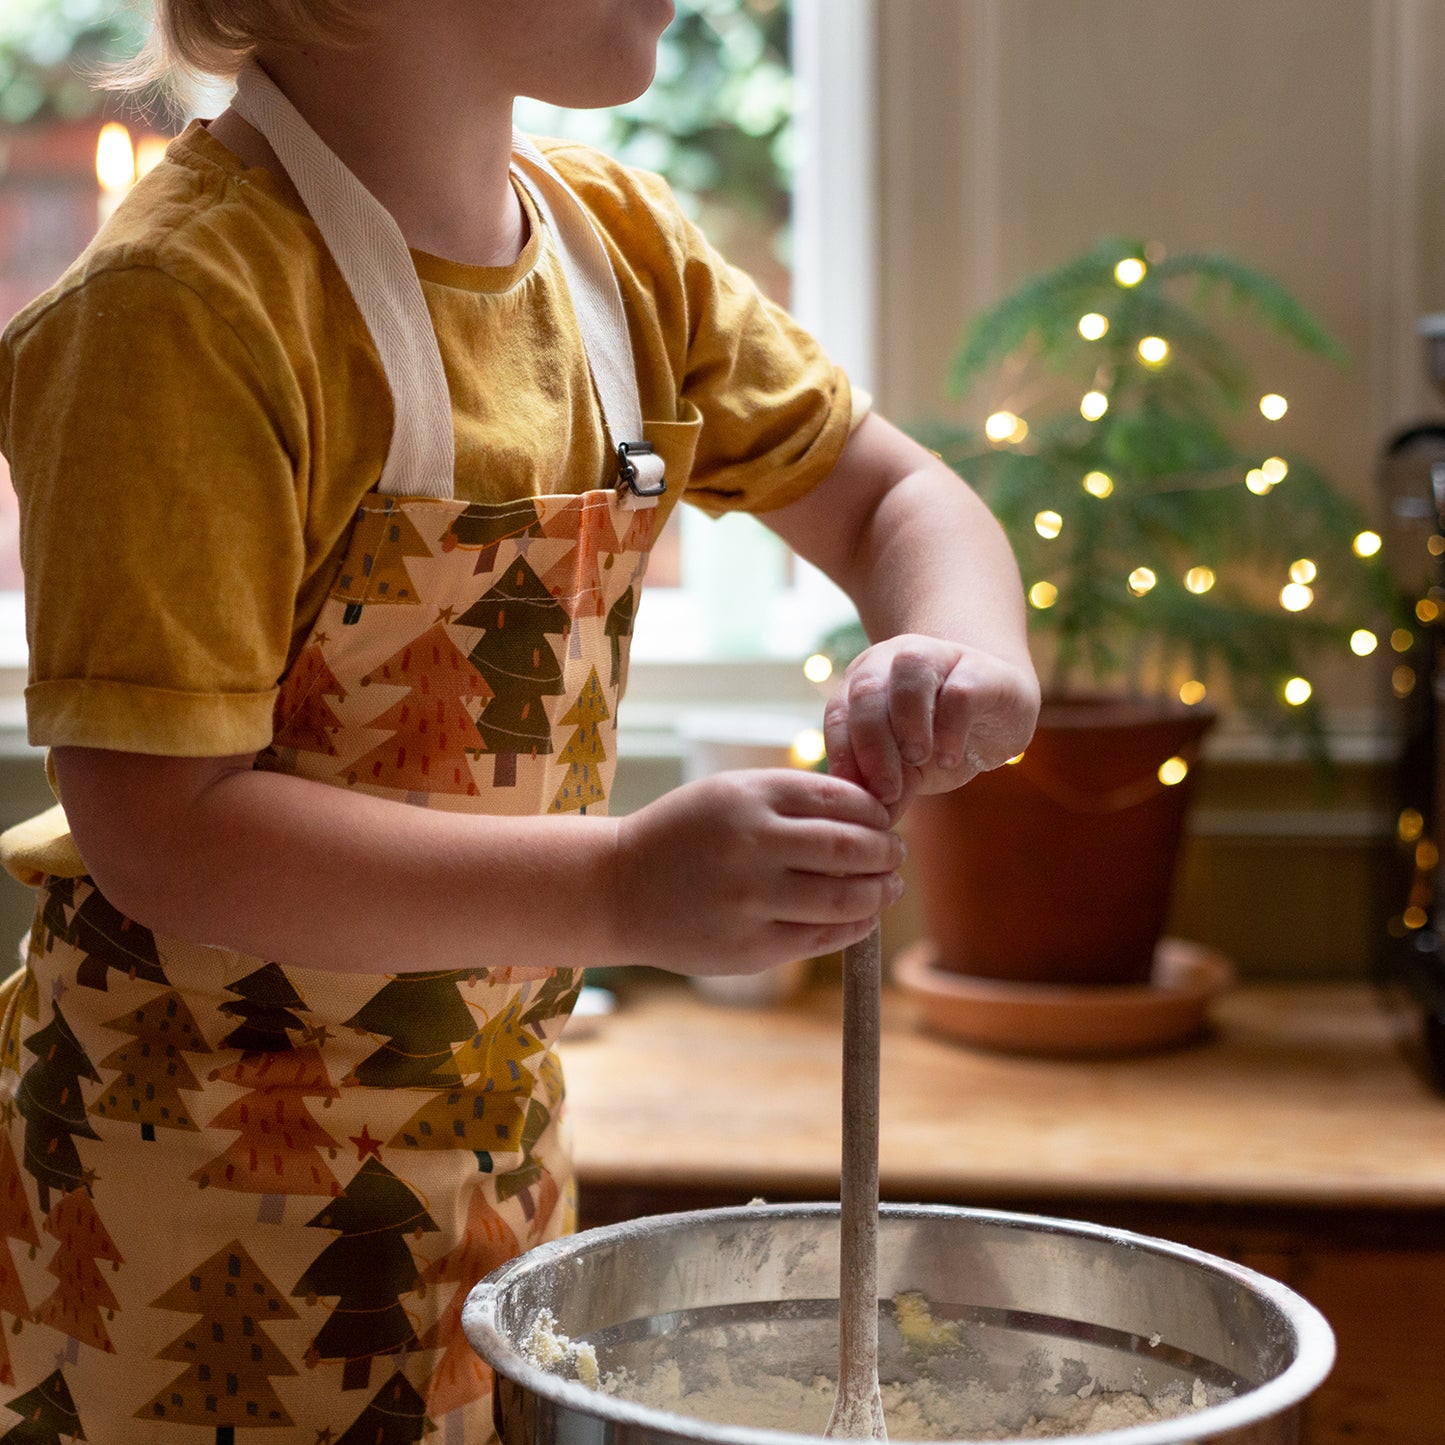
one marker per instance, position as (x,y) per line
(835,289)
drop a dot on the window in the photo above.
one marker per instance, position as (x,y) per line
(771,152)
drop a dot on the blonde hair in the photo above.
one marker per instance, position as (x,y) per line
(195,40)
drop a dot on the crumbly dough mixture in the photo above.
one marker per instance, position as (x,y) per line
(921,1410)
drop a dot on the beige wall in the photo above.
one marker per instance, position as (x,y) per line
(1305,139)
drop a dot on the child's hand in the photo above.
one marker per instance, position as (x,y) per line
(916,714)
(744,870)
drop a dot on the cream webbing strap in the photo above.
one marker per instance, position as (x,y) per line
(374,259)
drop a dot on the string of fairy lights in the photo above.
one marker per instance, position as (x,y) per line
(1006,428)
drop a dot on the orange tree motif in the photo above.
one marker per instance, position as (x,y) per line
(368,1266)
(460,1376)
(46,1413)
(422,1015)
(395,1416)
(81,1292)
(228,1355)
(515,658)
(375,567)
(576,579)
(432,728)
(584,752)
(277,1148)
(304,720)
(152,1071)
(50,1101)
(16,1222)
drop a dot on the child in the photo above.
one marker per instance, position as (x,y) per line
(339,453)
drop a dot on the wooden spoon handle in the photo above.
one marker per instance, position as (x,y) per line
(858,1409)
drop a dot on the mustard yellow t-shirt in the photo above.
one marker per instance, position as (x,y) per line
(193,412)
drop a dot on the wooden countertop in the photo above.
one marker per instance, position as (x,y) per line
(1299,1097)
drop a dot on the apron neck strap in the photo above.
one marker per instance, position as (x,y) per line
(375,261)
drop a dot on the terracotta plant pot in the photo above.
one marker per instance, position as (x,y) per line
(1058,868)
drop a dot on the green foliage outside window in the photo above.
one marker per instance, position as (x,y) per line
(47,47)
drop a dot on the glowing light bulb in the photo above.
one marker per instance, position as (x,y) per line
(1402,681)
(1297,692)
(1043,595)
(1130,271)
(1409,825)
(1048,524)
(1098,484)
(1093,405)
(150,151)
(1272,406)
(1192,692)
(1414,917)
(1199,580)
(1257,482)
(1017,758)
(1004,426)
(1402,639)
(1366,544)
(1427,610)
(808,749)
(1153,351)
(1435,544)
(1093,326)
(1303,571)
(1275,468)
(114,158)
(1295,597)
(1141,580)
(1363,642)
(818,668)
(1173,770)
(1427,855)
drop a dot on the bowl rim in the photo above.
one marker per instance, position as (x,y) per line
(1314,1339)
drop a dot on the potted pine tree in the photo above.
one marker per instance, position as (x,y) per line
(1171,565)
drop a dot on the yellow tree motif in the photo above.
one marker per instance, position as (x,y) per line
(375,566)
(584,752)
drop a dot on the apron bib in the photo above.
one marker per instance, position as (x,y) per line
(238,1197)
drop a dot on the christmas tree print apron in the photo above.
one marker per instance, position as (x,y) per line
(241,1202)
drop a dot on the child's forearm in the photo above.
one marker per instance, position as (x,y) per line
(308,874)
(727,875)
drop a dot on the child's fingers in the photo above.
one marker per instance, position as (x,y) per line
(813,898)
(860,709)
(912,700)
(826,848)
(796,794)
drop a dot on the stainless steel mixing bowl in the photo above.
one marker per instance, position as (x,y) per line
(1050,1300)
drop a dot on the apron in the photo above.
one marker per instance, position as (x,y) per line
(238,1197)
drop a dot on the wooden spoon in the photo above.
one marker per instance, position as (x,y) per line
(858,1407)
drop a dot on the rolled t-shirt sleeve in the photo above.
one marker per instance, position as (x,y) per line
(776,411)
(161,532)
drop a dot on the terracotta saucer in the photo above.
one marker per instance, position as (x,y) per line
(1066,1020)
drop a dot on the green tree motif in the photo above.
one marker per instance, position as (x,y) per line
(396,1416)
(46,1413)
(151,1069)
(483,526)
(584,752)
(618,629)
(423,1015)
(110,940)
(229,1358)
(518,662)
(50,1101)
(368,1267)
